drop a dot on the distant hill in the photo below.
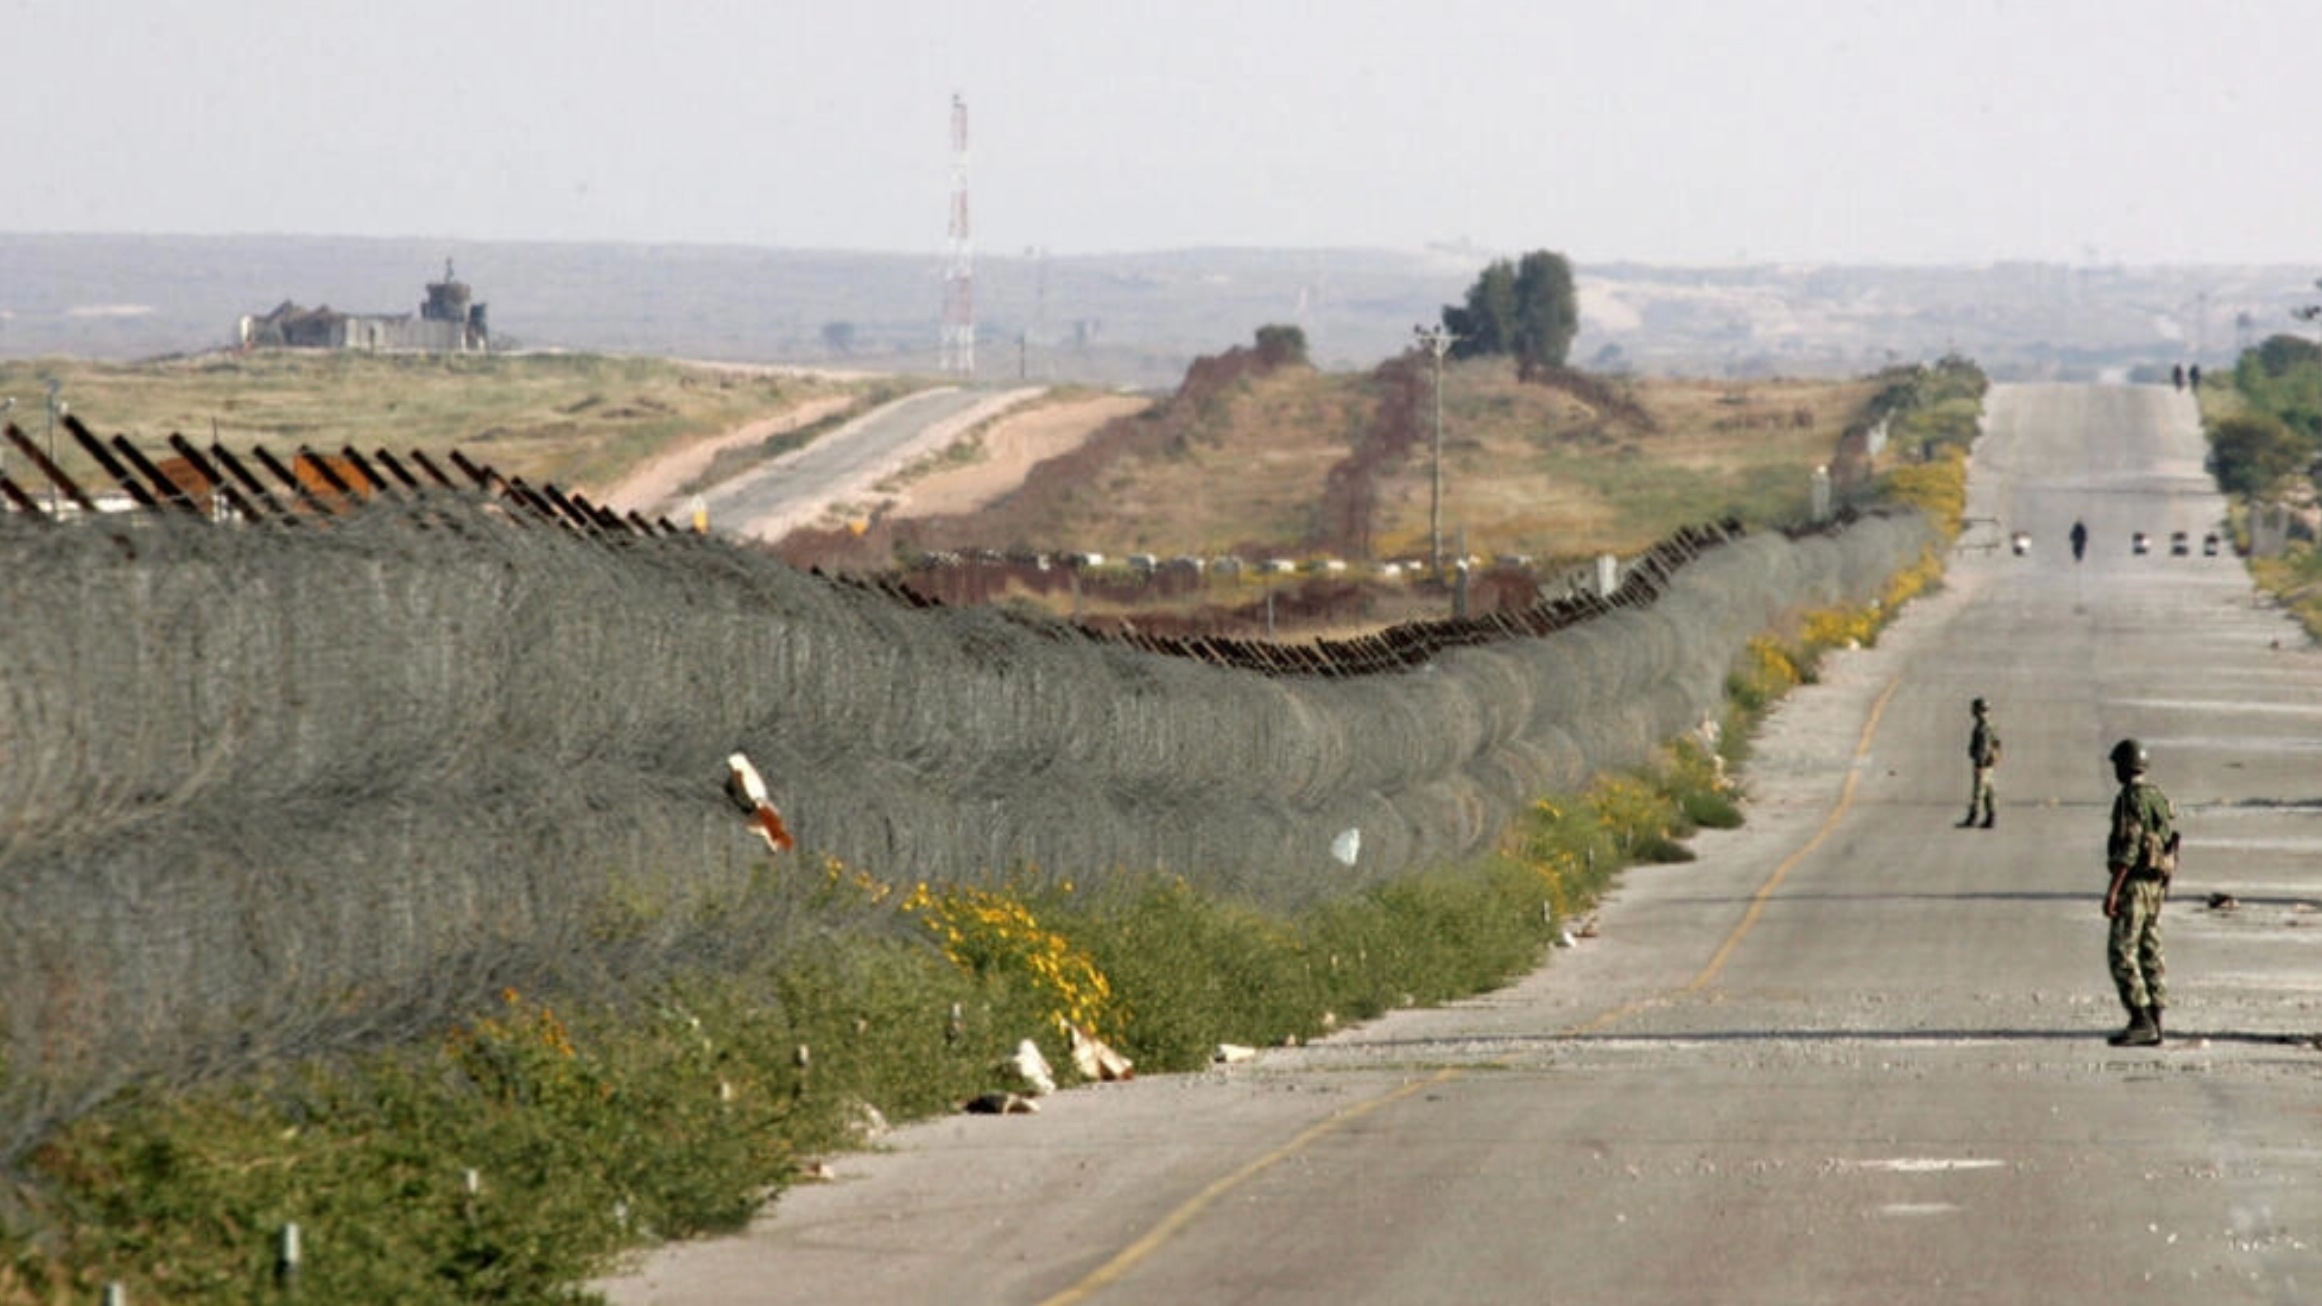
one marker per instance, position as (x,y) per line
(1131,319)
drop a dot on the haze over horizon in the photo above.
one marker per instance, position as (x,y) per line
(1668,131)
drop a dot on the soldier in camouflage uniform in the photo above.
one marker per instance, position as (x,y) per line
(2141,853)
(1983,753)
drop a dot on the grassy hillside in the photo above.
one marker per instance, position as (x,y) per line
(1291,461)
(1250,456)
(1536,470)
(570,419)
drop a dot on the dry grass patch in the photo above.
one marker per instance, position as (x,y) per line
(1245,477)
(1528,469)
(569,419)
(1265,463)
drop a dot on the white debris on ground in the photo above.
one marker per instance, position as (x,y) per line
(866,1124)
(1029,1070)
(1096,1060)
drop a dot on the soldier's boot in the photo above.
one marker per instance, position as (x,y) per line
(1968,820)
(1987,815)
(2141,1032)
(2153,1013)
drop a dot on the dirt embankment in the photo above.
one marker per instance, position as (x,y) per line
(1012,447)
(1350,494)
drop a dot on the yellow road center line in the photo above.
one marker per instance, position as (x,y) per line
(1145,1246)
(1773,882)
(1130,1256)
(1757,908)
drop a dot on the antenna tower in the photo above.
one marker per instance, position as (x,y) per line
(959,292)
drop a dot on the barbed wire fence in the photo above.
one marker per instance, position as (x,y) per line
(269,791)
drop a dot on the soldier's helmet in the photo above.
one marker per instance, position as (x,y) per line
(2130,758)
(1978,706)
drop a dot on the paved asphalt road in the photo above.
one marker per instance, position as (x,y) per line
(776,497)
(1853,1054)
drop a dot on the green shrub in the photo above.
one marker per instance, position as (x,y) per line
(1712,810)
(2248,452)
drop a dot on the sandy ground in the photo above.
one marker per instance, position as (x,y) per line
(650,488)
(1012,447)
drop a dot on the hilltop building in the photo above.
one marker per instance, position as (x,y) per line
(449,322)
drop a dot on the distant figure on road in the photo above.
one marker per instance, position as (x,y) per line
(2193,376)
(2177,376)
(1983,751)
(2141,853)
(2079,539)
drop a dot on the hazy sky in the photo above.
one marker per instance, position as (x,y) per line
(1657,130)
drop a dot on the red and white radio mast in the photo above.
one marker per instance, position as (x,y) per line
(959,291)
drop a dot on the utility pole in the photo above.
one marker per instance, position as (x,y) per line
(1436,340)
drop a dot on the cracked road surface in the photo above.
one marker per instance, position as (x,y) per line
(1852,1054)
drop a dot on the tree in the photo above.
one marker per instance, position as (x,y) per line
(1525,309)
(2283,378)
(838,337)
(1547,312)
(2281,353)
(1487,325)
(1279,345)
(2250,451)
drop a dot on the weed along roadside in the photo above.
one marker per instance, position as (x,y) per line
(529,1146)
(576,1112)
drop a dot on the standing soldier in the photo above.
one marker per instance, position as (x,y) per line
(1983,751)
(2141,854)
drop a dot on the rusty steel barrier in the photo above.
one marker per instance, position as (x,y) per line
(312,487)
